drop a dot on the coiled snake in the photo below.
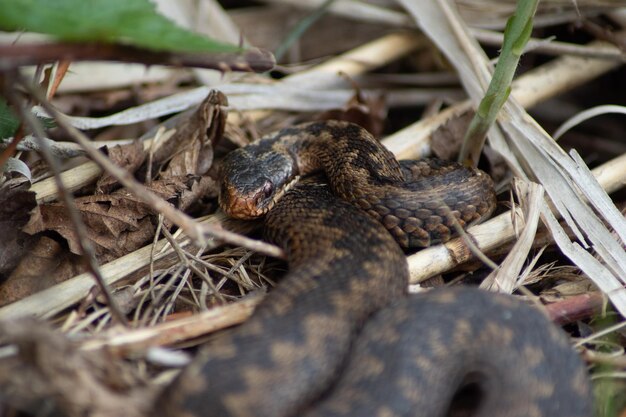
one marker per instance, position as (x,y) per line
(338,336)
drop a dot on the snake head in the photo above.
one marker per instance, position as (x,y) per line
(252,180)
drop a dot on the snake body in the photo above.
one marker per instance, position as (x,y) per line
(338,336)
(419,202)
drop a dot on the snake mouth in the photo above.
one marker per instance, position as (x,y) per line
(254,204)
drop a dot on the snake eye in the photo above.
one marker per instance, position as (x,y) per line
(263,195)
(268,189)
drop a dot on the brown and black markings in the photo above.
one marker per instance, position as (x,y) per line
(338,336)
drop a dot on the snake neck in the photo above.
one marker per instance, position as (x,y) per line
(351,157)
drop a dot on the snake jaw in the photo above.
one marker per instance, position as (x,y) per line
(253,204)
(241,206)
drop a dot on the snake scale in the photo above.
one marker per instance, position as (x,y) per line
(339,336)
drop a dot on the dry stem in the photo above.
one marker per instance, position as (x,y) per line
(15,56)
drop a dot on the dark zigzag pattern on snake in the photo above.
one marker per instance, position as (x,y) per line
(339,336)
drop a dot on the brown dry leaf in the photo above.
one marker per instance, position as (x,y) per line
(198,188)
(446,140)
(369,113)
(130,157)
(191,145)
(16,202)
(117,223)
(48,375)
(46,264)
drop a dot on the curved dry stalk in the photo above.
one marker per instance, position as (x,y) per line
(506,277)
(12,56)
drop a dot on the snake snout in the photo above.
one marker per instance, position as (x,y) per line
(248,202)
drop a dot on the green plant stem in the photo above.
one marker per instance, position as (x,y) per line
(516,35)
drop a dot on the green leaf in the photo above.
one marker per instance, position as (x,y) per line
(520,43)
(132,22)
(8,121)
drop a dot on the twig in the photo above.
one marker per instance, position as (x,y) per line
(68,199)
(15,56)
(59,149)
(575,308)
(176,331)
(505,278)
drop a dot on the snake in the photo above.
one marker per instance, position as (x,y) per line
(339,335)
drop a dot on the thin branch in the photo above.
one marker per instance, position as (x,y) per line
(15,56)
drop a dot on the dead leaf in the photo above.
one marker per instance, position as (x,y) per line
(447,139)
(130,157)
(191,145)
(199,188)
(117,223)
(16,202)
(369,113)
(47,263)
